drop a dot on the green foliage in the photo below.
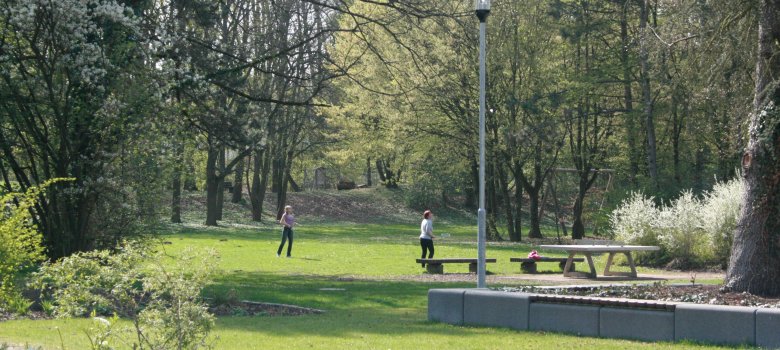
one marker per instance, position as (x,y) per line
(692,232)
(21,245)
(162,298)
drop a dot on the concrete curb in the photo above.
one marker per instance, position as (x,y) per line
(486,308)
(446,305)
(609,318)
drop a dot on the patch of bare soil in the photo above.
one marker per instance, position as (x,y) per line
(696,293)
(31,315)
(357,205)
(234,308)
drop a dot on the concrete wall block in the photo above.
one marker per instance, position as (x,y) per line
(497,309)
(768,328)
(567,318)
(446,305)
(636,324)
(715,323)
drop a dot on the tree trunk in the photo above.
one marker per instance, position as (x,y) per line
(585,183)
(259,183)
(699,162)
(634,153)
(677,128)
(238,183)
(578,227)
(212,187)
(176,183)
(754,266)
(281,196)
(470,200)
(646,93)
(368,172)
(221,182)
(176,198)
(380,170)
(293,184)
(507,200)
(533,208)
(518,206)
(257,205)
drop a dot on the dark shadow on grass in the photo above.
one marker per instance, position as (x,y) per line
(308,259)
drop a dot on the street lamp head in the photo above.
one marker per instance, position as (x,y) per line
(482,5)
(482,8)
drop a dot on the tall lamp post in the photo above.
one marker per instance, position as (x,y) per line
(482,10)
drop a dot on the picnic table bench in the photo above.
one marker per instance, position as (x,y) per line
(587,250)
(436,265)
(528,265)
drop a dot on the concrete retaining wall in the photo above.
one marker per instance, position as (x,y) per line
(601,318)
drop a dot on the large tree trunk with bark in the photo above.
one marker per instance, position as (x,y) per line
(754,266)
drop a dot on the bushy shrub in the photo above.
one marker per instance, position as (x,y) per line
(20,244)
(719,215)
(680,233)
(160,296)
(692,232)
(632,222)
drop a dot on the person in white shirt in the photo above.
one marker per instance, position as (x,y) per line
(426,235)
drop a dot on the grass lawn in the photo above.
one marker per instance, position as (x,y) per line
(376,303)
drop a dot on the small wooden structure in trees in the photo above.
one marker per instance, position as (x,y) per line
(321,180)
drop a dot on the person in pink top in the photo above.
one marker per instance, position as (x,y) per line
(288,221)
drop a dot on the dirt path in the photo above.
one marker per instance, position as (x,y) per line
(558,279)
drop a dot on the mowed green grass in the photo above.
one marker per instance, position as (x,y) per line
(358,274)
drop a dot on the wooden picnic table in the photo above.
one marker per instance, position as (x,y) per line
(587,250)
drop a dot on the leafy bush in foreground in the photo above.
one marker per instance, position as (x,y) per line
(161,297)
(21,245)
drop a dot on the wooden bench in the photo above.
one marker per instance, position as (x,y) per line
(436,265)
(528,265)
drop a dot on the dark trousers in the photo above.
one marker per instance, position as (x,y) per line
(286,233)
(427,245)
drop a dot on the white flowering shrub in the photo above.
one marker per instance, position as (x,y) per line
(162,298)
(680,233)
(632,221)
(691,231)
(720,212)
